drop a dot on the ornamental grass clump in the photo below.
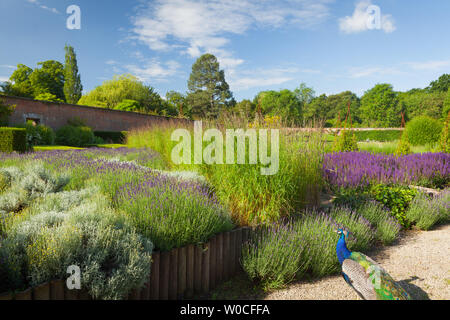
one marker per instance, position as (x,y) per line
(251,197)
(275,256)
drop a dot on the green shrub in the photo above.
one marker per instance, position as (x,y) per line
(39,135)
(345,142)
(13,139)
(387,227)
(445,136)
(75,136)
(378,135)
(396,198)
(112,136)
(426,211)
(423,130)
(112,257)
(361,228)
(403,147)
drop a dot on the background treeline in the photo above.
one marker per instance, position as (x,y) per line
(209,96)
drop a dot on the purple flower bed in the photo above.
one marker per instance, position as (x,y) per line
(359,169)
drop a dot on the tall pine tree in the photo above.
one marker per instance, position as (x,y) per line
(72,84)
(208,90)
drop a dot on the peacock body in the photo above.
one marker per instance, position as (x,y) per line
(365,276)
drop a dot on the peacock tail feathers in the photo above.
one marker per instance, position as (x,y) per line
(378,279)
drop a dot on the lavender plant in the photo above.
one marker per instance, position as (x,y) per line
(274,256)
(360,169)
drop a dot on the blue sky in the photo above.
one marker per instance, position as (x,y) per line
(261,44)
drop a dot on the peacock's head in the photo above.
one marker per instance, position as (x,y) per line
(342,232)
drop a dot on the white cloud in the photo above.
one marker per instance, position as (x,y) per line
(3,79)
(200,26)
(265,77)
(153,70)
(38,3)
(7,66)
(358,22)
(362,72)
(429,65)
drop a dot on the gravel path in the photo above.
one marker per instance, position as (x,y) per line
(419,260)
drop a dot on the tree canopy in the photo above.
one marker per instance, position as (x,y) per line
(208,91)
(72,84)
(111,93)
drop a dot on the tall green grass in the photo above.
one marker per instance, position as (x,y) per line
(252,197)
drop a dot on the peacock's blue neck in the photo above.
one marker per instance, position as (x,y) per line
(342,250)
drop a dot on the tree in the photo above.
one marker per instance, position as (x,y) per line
(446,105)
(19,83)
(245,109)
(440,85)
(49,78)
(380,107)
(304,94)
(208,90)
(124,87)
(422,102)
(72,84)
(48,97)
(333,108)
(177,101)
(282,103)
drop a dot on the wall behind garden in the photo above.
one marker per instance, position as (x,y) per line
(56,115)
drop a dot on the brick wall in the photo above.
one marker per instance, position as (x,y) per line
(56,115)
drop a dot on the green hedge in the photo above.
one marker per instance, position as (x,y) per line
(381,135)
(74,136)
(13,139)
(112,136)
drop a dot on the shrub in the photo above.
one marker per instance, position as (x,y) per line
(13,139)
(397,199)
(74,136)
(172,212)
(112,136)
(274,256)
(423,130)
(378,135)
(445,136)
(318,232)
(345,142)
(113,259)
(359,226)
(403,147)
(38,135)
(386,226)
(426,211)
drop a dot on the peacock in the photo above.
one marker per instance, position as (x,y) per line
(365,276)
